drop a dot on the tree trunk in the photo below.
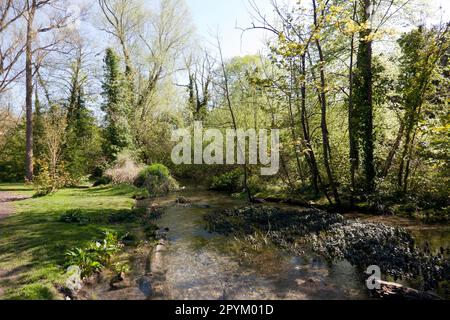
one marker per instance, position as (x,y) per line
(292,121)
(365,99)
(388,163)
(352,120)
(233,117)
(315,175)
(323,125)
(29,93)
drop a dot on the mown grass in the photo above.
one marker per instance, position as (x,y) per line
(33,241)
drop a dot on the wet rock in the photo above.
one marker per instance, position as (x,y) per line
(161,233)
(182,200)
(119,282)
(145,286)
(331,235)
(203,206)
(73,283)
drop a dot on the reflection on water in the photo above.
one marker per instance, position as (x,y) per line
(433,236)
(199,266)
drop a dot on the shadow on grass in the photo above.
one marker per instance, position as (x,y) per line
(33,247)
(108,191)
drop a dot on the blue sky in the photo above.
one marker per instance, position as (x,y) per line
(212,16)
(223,15)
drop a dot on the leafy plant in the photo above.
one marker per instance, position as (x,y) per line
(74,216)
(96,256)
(156,179)
(229,182)
(50,180)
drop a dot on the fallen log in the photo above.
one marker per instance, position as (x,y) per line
(395,291)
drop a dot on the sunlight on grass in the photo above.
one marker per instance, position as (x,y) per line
(33,241)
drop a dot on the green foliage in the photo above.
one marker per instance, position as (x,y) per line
(141,193)
(229,182)
(96,256)
(47,182)
(150,231)
(125,216)
(116,108)
(75,216)
(12,153)
(156,179)
(157,170)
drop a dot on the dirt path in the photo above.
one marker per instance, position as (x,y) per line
(6,203)
(7,209)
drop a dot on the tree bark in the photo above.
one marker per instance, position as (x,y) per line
(324,126)
(315,175)
(29,165)
(388,163)
(352,120)
(365,98)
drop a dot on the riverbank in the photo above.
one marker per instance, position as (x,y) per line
(193,263)
(362,243)
(34,240)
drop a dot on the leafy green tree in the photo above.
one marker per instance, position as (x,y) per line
(117,130)
(422,50)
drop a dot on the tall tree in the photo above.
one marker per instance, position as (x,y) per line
(319,18)
(118,135)
(422,52)
(361,113)
(58,20)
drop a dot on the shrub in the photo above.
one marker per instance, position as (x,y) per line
(49,181)
(255,184)
(102,181)
(141,194)
(96,256)
(229,182)
(156,179)
(125,170)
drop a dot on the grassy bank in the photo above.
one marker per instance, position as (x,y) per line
(33,241)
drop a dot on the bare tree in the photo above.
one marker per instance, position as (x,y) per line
(200,81)
(226,93)
(59,20)
(124,20)
(11,42)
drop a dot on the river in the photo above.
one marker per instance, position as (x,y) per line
(203,266)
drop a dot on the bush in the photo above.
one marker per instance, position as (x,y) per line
(125,170)
(229,182)
(96,256)
(102,181)
(156,179)
(141,194)
(255,184)
(49,181)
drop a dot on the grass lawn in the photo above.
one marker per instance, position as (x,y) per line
(33,241)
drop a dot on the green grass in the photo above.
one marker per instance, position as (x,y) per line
(33,242)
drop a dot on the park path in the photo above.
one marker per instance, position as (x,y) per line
(7,209)
(6,203)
